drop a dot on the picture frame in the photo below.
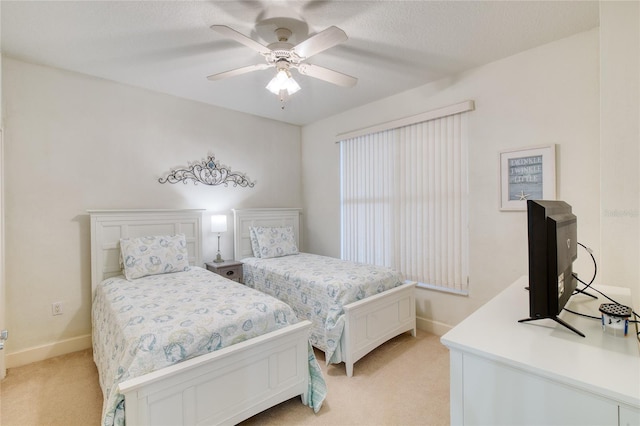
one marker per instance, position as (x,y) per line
(527,174)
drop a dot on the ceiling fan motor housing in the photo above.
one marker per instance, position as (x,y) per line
(283,34)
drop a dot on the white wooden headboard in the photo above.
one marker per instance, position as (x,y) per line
(245,218)
(108,226)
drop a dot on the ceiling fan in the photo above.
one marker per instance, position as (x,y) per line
(284,56)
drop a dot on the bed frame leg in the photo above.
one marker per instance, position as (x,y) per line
(349,367)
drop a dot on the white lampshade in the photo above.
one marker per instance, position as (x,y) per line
(219,223)
(283,81)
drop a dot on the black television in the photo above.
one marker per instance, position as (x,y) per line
(553,247)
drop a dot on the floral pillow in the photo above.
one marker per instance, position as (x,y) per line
(275,242)
(254,242)
(154,255)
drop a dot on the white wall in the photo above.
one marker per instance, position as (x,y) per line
(74,143)
(547,95)
(620,146)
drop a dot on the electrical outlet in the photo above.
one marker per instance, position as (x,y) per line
(56,308)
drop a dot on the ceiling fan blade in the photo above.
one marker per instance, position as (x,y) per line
(320,42)
(326,74)
(240,38)
(238,71)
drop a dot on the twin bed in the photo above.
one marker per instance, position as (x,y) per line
(187,347)
(157,353)
(354,307)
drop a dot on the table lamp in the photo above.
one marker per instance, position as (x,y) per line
(219,225)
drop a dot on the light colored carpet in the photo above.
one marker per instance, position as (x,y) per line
(58,391)
(403,382)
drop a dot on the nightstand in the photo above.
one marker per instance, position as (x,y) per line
(231,269)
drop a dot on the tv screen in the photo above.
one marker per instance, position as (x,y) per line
(553,247)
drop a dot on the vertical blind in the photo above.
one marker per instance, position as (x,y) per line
(404,198)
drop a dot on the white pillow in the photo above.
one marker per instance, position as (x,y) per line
(275,242)
(154,255)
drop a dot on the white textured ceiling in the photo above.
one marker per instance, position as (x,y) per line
(393,46)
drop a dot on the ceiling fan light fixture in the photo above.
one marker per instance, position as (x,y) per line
(283,81)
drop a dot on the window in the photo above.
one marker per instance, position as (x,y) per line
(404,197)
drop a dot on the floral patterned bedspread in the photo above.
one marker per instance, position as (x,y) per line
(317,288)
(149,323)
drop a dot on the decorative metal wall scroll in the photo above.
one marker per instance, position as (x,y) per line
(208,172)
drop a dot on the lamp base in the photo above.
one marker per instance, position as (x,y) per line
(218,259)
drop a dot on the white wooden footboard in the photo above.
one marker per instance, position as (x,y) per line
(226,386)
(372,321)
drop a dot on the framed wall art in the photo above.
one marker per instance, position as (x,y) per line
(527,174)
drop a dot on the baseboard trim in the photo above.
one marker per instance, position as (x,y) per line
(40,353)
(433,327)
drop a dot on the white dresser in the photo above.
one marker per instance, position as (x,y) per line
(541,373)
